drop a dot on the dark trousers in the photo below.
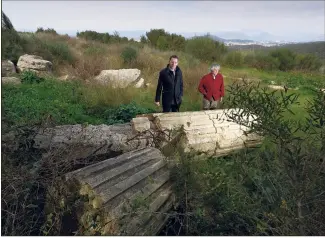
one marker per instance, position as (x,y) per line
(171,108)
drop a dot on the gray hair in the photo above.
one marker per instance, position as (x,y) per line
(215,66)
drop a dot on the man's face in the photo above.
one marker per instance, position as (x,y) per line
(173,63)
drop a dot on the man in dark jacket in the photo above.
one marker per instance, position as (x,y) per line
(170,82)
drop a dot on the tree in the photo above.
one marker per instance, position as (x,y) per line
(162,43)
(143,39)
(154,34)
(285,57)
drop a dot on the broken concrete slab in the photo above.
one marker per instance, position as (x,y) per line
(209,131)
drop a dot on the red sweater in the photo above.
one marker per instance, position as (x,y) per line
(210,87)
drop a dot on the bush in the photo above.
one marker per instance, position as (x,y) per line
(274,189)
(162,43)
(265,62)
(124,113)
(48,30)
(12,45)
(129,55)
(53,50)
(30,77)
(205,49)
(285,57)
(234,59)
(307,62)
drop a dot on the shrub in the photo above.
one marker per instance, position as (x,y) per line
(265,62)
(53,50)
(48,30)
(205,49)
(12,45)
(30,77)
(162,43)
(234,59)
(274,189)
(285,57)
(307,62)
(129,55)
(124,113)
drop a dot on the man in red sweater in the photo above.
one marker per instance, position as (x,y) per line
(212,88)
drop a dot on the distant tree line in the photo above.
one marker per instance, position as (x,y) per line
(279,59)
(48,30)
(103,37)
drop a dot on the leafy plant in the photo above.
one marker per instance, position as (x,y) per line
(129,55)
(30,77)
(124,113)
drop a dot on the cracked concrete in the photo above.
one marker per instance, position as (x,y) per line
(205,131)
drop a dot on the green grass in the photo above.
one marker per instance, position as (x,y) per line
(63,102)
(73,102)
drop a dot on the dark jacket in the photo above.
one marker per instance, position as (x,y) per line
(170,87)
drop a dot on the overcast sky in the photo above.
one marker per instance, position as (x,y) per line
(286,19)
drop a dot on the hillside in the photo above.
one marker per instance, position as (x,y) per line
(316,48)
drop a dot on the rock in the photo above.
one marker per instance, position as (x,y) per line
(130,194)
(140,124)
(7,68)
(140,83)
(10,80)
(78,141)
(276,87)
(205,131)
(118,78)
(33,63)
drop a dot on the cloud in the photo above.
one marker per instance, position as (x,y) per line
(275,17)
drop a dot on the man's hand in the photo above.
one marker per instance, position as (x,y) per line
(158,104)
(221,99)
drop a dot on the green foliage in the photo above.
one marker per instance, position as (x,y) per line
(48,30)
(307,62)
(129,55)
(162,43)
(154,34)
(95,50)
(37,99)
(274,189)
(144,40)
(264,62)
(234,59)
(32,103)
(283,60)
(314,48)
(285,57)
(163,40)
(205,49)
(59,51)
(30,77)
(102,37)
(12,45)
(124,113)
